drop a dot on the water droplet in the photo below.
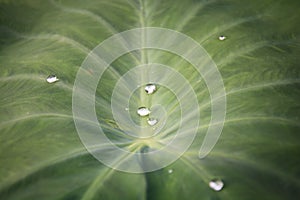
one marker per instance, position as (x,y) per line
(143,111)
(152,121)
(126,109)
(222,37)
(216,184)
(170,171)
(52,79)
(150,88)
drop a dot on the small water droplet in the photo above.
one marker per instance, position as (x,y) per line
(52,79)
(152,121)
(222,37)
(126,109)
(216,184)
(150,88)
(170,171)
(143,111)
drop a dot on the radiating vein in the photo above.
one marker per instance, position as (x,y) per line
(228,26)
(98,18)
(102,176)
(90,14)
(183,21)
(260,167)
(34,77)
(255,87)
(248,49)
(271,119)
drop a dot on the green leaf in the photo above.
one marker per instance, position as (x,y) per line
(257,155)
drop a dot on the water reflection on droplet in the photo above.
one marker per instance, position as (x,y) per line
(216,184)
(150,88)
(170,171)
(126,109)
(143,111)
(52,79)
(222,37)
(152,121)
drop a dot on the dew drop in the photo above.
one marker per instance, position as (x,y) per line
(126,109)
(143,111)
(150,88)
(222,37)
(216,184)
(170,171)
(52,79)
(152,121)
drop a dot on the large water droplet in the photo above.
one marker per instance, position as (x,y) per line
(222,37)
(52,79)
(216,184)
(152,121)
(143,111)
(150,88)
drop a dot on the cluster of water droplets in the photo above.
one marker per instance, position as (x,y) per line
(215,184)
(143,111)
